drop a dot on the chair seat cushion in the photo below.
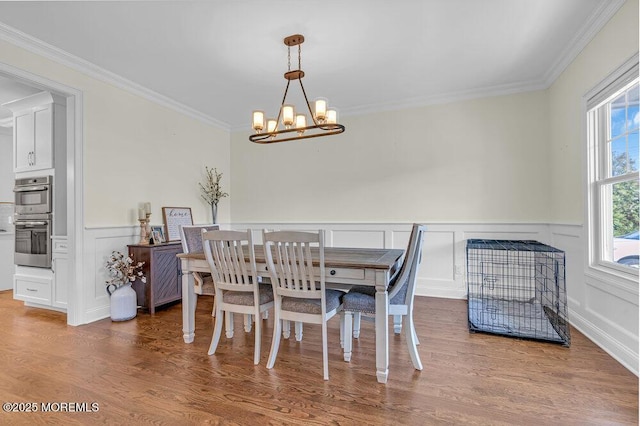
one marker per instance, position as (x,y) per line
(207,287)
(312,306)
(246,297)
(397,299)
(359,302)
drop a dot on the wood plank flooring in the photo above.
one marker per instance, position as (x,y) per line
(141,372)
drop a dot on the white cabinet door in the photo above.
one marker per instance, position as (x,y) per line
(60,265)
(43,138)
(23,140)
(33,139)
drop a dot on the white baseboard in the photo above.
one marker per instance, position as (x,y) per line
(624,355)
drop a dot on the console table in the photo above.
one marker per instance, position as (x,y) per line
(162,269)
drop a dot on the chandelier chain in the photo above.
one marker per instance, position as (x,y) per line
(299,57)
(288,58)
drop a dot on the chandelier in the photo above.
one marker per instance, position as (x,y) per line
(324,121)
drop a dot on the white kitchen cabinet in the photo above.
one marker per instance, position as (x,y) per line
(33,286)
(43,287)
(60,266)
(39,123)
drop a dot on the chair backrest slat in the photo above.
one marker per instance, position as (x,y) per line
(224,251)
(290,261)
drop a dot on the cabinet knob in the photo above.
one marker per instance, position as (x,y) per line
(332,272)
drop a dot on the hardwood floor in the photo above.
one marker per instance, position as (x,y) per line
(141,372)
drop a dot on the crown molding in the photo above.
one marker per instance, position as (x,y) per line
(48,51)
(594,24)
(437,99)
(446,98)
(6,122)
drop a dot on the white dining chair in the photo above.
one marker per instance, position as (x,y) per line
(191,239)
(360,301)
(298,296)
(237,287)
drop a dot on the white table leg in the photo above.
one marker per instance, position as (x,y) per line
(188,303)
(382,330)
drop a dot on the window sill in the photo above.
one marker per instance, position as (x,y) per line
(624,281)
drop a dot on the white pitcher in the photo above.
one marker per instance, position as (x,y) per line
(123,302)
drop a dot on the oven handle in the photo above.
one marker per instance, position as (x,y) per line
(30,188)
(29,223)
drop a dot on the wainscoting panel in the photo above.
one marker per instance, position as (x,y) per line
(442,272)
(98,244)
(604,311)
(600,306)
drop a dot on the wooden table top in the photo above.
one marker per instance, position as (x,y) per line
(335,257)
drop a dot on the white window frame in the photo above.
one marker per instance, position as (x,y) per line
(597,168)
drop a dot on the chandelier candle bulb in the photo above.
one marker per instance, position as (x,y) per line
(258,121)
(272,125)
(287,115)
(332,116)
(301,122)
(321,109)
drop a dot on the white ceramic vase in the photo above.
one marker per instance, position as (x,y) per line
(123,302)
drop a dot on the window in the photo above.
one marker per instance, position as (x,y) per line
(613,119)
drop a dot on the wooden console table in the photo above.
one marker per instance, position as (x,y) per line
(162,269)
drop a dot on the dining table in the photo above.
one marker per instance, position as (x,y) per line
(344,268)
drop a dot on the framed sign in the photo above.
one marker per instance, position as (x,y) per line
(174,217)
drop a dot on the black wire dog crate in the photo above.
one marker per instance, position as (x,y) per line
(517,288)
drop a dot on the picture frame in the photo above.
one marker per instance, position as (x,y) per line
(174,218)
(157,233)
(157,239)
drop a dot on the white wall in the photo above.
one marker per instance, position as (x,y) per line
(603,306)
(478,160)
(609,49)
(138,151)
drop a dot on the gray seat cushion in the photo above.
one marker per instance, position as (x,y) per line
(312,306)
(359,302)
(398,298)
(246,297)
(207,287)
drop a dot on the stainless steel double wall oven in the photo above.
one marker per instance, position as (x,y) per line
(33,221)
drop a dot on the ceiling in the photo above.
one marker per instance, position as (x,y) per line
(224,59)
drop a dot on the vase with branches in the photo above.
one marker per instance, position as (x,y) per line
(212,190)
